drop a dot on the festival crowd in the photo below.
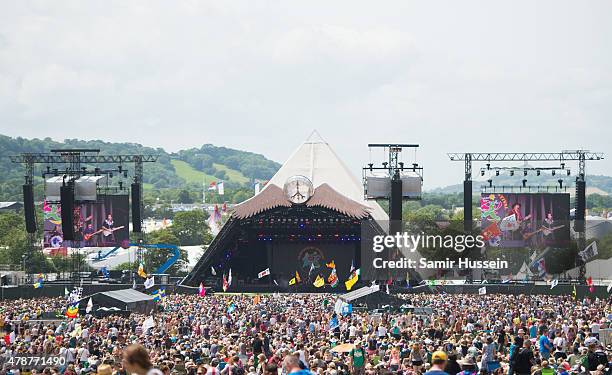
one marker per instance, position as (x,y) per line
(281,334)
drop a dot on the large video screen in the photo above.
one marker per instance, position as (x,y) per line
(533,220)
(301,257)
(101,223)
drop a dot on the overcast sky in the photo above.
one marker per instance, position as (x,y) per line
(260,75)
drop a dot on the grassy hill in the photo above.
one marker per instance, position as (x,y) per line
(186,169)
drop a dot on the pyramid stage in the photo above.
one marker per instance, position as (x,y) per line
(308,216)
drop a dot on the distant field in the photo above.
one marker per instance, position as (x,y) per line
(187,172)
(190,174)
(232,174)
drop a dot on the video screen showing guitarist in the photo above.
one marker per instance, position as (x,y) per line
(108,229)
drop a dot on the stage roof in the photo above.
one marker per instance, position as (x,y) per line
(316,160)
(128,295)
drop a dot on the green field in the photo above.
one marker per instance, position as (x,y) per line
(232,174)
(190,174)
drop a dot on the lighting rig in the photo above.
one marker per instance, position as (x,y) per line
(393,181)
(73,164)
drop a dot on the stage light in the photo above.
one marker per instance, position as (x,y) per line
(511,173)
(538,172)
(385,164)
(524,182)
(110,174)
(569,172)
(125,174)
(371,165)
(497,173)
(562,165)
(524,172)
(488,166)
(490,182)
(401,164)
(560,181)
(482,172)
(553,172)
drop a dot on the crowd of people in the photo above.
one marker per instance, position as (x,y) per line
(281,334)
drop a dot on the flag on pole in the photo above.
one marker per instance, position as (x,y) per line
(297,277)
(312,268)
(221,188)
(482,290)
(39,282)
(257,188)
(66,292)
(149,282)
(89,306)
(554,283)
(212,271)
(105,273)
(134,283)
(589,252)
(225,283)
(352,266)
(574,292)
(352,279)
(387,288)
(275,282)
(331,265)
(333,322)
(319,282)
(229,278)
(202,290)
(257,299)
(590,284)
(141,271)
(609,288)
(212,186)
(292,281)
(264,273)
(333,278)
(159,294)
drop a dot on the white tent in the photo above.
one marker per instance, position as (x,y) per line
(316,160)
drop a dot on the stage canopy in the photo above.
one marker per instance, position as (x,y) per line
(124,299)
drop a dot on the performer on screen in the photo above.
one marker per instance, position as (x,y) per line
(108,229)
(521,220)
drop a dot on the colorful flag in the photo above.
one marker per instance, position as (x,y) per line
(292,281)
(149,282)
(297,277)
(263,273)
(591,285)
(39,282)
(331,265)
(333,278)
(159,294)
(72,311)
(229,278)
(225,283)
(89,306)
(141,271)
(212,186)
(319,281)
(221,188)
(231,308)
(482,290)
(257,299)
(202,290)
(224,207)
(574,292)
(352,279)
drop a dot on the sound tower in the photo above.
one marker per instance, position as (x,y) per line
(467,206)
(136,219)
(28,208)
(67,207)
(395,206)
(579,224)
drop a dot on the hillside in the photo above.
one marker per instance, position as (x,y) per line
(186,168)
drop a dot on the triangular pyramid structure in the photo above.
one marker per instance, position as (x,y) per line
(269,231)
(316,160)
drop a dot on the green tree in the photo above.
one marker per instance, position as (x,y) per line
(185,197)
(190,228)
